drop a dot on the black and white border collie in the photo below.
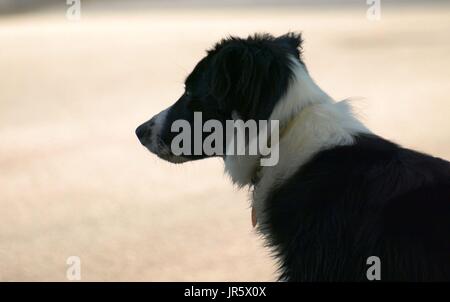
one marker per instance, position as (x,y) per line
(339,193)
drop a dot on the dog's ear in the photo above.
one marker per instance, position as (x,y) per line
(248,80)
(293,41)
(223,67)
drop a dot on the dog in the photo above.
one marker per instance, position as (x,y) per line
(340,196)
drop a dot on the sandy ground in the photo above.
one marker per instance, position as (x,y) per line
(75,181)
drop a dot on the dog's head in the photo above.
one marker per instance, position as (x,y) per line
(242,78)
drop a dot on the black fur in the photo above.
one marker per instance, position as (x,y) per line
(372,198)
(251,75)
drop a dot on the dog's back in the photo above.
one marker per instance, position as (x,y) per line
(372,198)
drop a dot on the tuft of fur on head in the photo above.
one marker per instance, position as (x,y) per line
(292,41)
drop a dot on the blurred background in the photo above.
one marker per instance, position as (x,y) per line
(74,180)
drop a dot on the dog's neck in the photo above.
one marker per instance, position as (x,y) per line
(257,173)
(310,121)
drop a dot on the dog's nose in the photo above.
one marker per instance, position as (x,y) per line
(143,132)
